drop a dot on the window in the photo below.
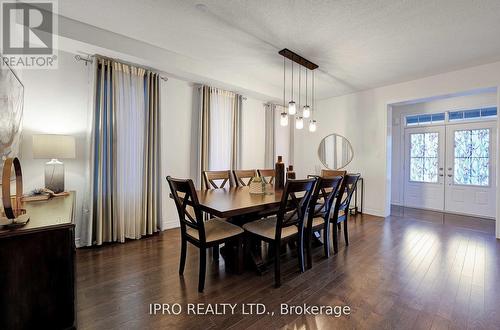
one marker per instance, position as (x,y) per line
(473,114)
(472,157)
(426,119)
(424,159)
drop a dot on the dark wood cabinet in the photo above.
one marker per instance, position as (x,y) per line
(37,273)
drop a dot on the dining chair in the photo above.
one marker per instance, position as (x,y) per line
(212,176)
(287,225)
(200,233)
(267,174)
(318,217)
(341,210)
(241,175)
(332,173)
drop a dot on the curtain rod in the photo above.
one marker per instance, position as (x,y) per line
(244,98)
(90,60)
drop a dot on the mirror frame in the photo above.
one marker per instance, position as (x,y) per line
(350,146)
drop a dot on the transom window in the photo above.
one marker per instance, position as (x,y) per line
(424,161)
(472,157)
(440,117)
(473,114)
(425,119)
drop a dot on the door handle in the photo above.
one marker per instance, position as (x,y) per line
(450,175)
(441,174)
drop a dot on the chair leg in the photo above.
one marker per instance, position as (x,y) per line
(346,236)
(300,252)
(240,256)
(308,241)
(277,274)
(335,240)
(326,238)
(183,256)
(215,252)
(203,270)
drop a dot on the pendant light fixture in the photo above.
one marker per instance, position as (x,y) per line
(299,122)
(299,111)
(312,122)
(306,111)
(284,115)
(292,109)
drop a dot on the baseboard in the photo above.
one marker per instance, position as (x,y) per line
(77,242)
(169,224)
(374,212)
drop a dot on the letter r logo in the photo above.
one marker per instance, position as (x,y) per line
(27,28)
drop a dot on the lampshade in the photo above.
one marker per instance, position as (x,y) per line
(299,123)
(49,146)
(284,119)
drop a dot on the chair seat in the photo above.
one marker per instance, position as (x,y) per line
(316,222)
(267,228)
(216,229)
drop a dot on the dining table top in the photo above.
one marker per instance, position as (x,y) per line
(237,201)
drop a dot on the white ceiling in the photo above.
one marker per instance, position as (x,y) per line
(357,44)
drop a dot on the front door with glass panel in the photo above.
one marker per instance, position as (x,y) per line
(424,167)
(471,168)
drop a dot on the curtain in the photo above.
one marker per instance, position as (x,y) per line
(125,192)
(220,126)
(270,145)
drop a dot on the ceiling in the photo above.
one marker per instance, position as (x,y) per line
(358,45)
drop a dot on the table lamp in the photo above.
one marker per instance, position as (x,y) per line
(54,147)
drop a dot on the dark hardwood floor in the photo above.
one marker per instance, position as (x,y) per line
(412,270)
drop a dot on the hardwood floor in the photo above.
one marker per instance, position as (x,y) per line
(412,270)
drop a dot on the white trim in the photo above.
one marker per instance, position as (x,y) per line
(169,224)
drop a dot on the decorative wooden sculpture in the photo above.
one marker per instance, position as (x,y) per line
(12,205)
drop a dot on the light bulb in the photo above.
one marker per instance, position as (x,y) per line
(284,119)
(299,123)
(312,126)
(292,110)
(306,111)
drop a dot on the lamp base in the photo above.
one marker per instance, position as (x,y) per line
(54,176)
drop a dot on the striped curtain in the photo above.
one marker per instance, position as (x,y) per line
(125,155)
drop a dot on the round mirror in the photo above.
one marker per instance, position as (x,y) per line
(335,151)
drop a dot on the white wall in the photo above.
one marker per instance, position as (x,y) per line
(56,102)
(365,120)
(399,112)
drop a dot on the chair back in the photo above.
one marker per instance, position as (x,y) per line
(294,203)
(325,189)
(267,174)
(187,204)
(346,191)
(332,173)
(241,175)
(224,177)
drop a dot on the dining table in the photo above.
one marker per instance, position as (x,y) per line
(235,202)
(238,206)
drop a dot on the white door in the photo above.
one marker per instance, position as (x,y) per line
(424,167)
(471,168)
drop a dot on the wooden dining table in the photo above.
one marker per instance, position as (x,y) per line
(236,202)
(238,205)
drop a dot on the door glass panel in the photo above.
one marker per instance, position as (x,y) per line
(472,157)
(424,157)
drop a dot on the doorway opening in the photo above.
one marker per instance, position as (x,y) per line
(444,154)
